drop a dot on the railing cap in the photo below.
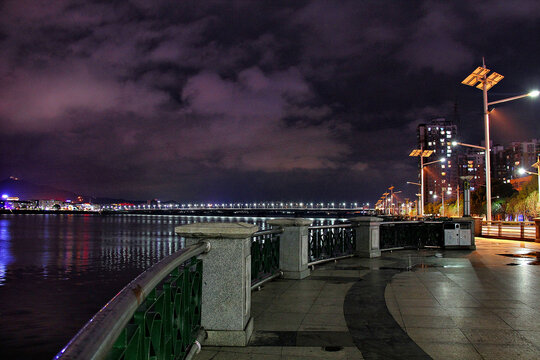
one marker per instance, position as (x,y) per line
(237,230)
(365,219)
(285,222)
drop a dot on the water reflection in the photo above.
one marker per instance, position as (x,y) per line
(5,254)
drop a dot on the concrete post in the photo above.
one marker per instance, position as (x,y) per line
(226,288)
(537,224)
(477,225)
(367,231)
(293,247)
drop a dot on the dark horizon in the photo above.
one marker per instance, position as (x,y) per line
(251,101)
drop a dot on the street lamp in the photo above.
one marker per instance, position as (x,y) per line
(456,143)
(483,82)
(423,154)
(522,171)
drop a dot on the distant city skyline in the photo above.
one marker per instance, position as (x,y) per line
(215,101)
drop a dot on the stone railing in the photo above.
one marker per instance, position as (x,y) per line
(522,230)
(176,303)
(157,315)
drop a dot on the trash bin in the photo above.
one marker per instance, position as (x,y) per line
(465,234)
(459,234)
(451,234)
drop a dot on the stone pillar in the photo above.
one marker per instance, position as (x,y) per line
(477,225)
(367,230)
(537,224)
(226,283)
(293,247)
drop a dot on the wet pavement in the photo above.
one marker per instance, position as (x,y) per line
(437,304)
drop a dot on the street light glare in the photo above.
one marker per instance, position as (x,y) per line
(534,93)
(454,143)
(442,160)
(521,171)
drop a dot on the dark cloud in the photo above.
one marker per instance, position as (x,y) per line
(212,100)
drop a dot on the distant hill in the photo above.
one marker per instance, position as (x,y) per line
(26,190)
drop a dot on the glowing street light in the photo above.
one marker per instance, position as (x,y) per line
(483,82)
(456,143)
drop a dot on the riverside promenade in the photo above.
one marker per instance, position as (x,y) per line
(426,304)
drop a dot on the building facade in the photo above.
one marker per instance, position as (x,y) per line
(437,135)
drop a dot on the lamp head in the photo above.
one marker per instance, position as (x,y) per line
(454,143)
(534,93)
(521,171)
(442,159)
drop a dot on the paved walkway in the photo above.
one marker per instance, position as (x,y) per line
(451,305)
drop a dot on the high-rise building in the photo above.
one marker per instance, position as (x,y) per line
(471,163)
(437,135)
(506,160)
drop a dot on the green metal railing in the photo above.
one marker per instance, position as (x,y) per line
(156,316)
(330,242)
(264,256)
(410,234)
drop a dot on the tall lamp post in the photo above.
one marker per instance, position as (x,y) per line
(423,166)
(483,82)
(423,154)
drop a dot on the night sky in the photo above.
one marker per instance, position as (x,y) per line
(251,100)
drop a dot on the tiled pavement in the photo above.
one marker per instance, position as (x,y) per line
(452,305)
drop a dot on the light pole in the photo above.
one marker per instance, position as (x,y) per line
(423,154)
(537,166)
(422,183)
(483,82)
(443,189)
(395,207)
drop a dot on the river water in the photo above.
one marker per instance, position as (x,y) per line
(56,271)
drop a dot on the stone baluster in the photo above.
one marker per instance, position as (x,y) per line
(293,247)
(367,240)
(226,288)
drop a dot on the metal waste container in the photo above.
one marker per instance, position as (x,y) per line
(451,234)
(458,234)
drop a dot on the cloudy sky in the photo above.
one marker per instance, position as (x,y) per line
(251,100)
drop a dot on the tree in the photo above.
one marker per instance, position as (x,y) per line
(478,201)
(525,202)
